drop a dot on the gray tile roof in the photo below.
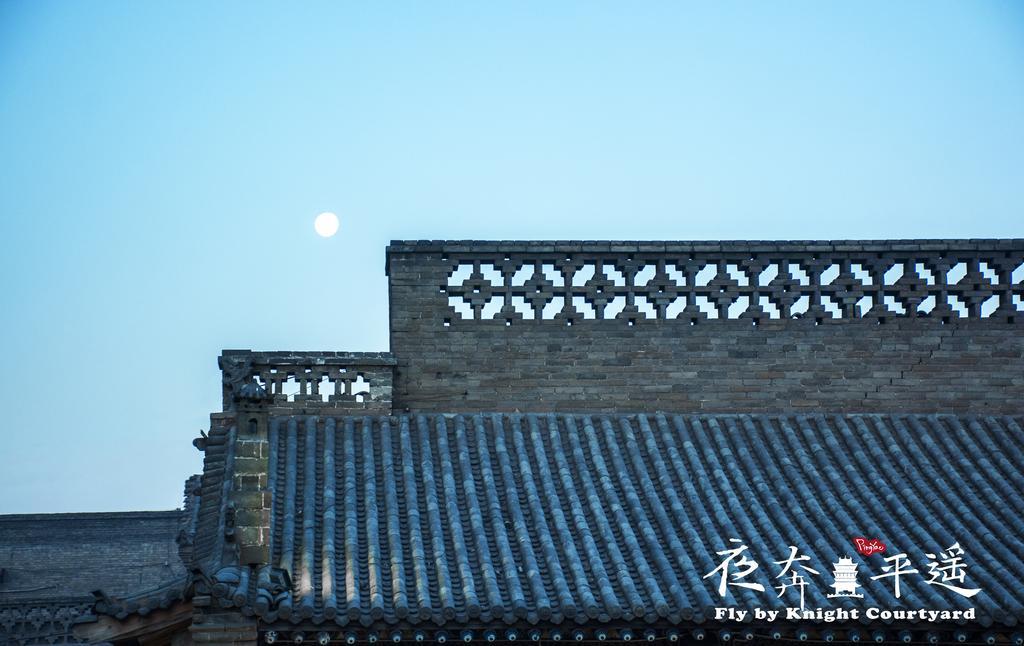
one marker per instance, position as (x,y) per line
(508,519)
(50,564)
(70,555)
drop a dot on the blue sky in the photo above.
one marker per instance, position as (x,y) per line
(162,163)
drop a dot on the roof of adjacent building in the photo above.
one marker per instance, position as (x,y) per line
(46,556)
(56,569)
(512,518)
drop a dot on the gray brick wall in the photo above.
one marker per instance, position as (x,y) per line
(866,360)
(61,556)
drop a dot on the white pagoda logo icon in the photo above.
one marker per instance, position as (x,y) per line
(845,574)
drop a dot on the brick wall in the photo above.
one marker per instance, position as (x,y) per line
(870,326)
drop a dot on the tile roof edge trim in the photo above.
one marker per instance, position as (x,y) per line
(655,246)
(397,247)
(91,515)
(785,414)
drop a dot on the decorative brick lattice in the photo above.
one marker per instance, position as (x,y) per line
(759,284)
(330,380)
(40,623)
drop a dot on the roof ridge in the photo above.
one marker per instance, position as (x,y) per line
(91,515)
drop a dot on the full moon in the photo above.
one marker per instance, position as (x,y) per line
(326,224)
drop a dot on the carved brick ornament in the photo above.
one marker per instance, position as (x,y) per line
(755,285)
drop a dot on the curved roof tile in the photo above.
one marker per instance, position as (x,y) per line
(551,518)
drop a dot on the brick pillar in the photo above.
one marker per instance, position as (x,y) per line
(250,494)
(223,628)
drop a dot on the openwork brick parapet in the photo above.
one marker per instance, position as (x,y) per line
(343,381)
(574,282)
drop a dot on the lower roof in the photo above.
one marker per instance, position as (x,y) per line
(507,518)
(54,567)
(46,556)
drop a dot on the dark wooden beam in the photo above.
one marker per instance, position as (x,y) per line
(137,627)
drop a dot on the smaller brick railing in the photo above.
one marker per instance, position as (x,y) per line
(325,381)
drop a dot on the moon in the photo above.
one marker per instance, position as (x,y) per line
(326,224)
